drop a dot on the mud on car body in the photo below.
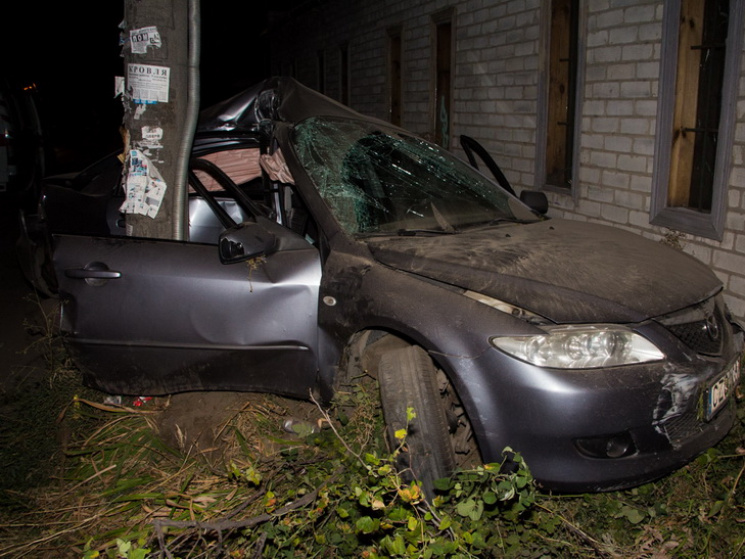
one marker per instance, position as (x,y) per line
(325,245)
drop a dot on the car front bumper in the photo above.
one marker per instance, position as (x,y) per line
(593,430)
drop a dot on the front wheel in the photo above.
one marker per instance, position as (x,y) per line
(408,379)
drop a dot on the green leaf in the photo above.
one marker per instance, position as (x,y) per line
(385,469)
(123,547)
(489,498)
(716,508)
(410,414)
(465,508)
(395,546)
(372,459)
(476,513)
(367,525)
(635,516)
(443,484)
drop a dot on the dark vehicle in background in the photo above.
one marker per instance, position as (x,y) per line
(324,244)
(22,156)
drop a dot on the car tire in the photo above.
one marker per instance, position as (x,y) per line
(408,379)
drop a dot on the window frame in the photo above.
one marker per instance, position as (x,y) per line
(321,70)
(344,73)
(708,225)
(395,55)
(437,20)
(543,93)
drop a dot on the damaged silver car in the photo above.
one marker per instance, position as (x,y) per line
(324,244)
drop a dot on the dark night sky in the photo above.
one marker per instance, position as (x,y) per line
(70,51)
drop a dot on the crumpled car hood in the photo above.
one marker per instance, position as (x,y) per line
(566,271)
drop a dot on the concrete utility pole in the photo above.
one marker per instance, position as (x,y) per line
(160,108)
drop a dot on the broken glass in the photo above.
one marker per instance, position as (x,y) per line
(378,180)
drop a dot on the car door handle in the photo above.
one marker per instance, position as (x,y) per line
(92,272)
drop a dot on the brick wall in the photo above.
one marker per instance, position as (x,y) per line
(496,91)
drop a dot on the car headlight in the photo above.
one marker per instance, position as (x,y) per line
(581,347)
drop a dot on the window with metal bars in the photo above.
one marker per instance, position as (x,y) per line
(698,88)
(698,101)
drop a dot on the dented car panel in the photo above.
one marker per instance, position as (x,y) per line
(606,359)
(117,327)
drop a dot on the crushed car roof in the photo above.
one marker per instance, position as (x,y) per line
(274,99)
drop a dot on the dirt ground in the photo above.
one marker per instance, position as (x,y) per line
(196,421)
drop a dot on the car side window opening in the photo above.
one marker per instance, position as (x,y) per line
(384,181)
(241,165)
(228,187)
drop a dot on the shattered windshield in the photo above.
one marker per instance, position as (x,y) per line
(385,181)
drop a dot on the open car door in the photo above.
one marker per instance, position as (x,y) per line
(149,317)
(153,317)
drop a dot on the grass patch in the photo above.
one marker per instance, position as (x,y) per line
(115,489)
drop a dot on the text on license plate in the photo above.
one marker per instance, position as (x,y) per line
(717,394)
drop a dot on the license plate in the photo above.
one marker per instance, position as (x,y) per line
(718,393)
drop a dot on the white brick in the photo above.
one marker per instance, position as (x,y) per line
(615,214)
(630,200)
(635,126)
(600,194)
(612,179)
(737,284)
(606,54)
(728,261)
(638,52)
(609,19)
(623,35)
(620,107)
(621,72)
(639,219)
(636,89)
(590,209)
(644,146)
(645,107)
(605,124)
(648,70)
(639,14)
(597,39)
(632,163)
(603,159)
(735,304)
(618,143)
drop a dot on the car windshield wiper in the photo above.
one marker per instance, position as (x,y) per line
(412,232)
(406,233)
(499,221)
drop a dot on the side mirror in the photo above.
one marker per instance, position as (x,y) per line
(245,241)
(535,200)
